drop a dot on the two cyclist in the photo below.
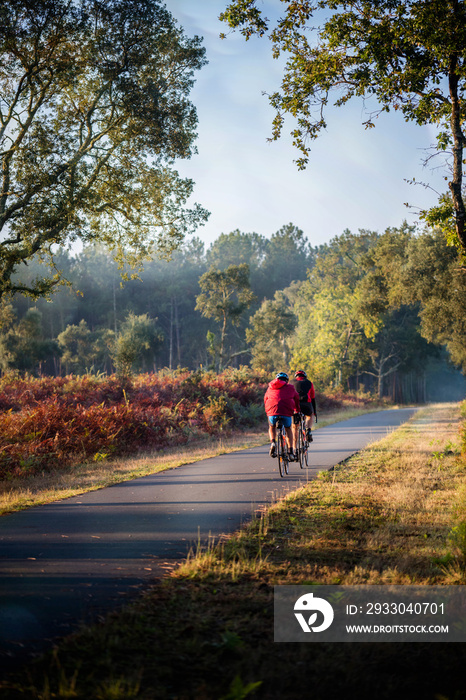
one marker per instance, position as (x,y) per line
(286,400)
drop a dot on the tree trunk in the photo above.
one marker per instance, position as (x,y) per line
(380,383)
(458,144)
(177,331)
(222,343)
(115,327)
(170,351)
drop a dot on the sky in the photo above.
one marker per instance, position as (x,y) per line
(355,179)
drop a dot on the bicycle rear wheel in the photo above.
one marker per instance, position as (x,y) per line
(300,447)
(282,454)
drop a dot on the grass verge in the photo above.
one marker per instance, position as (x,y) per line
(19,493)
(391,514)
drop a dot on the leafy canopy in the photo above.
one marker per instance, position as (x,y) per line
(94,110)
(409,55)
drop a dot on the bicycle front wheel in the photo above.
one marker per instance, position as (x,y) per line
(305,459)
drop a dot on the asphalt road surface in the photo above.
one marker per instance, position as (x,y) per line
(65,563)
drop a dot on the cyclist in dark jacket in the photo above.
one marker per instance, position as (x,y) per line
(307,399)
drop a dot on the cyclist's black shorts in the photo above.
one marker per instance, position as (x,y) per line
(306,408)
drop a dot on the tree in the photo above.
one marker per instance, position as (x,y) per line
(75,343)
(393,345)
(423,271)
(273,262)
(235,248)
(57,310)
(327,338)
(84,350)
(390,316)
(94,111)
(269,332)
(289,256)
(7,320)
(173,286)
(355,317)
(225,295)
(137,344)
(408,54)
(22,345)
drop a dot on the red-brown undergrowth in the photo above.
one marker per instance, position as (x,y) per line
(54,422)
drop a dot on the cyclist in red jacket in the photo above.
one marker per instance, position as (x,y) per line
(281,400)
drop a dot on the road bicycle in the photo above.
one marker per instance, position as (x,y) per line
(302,443)
(282,449)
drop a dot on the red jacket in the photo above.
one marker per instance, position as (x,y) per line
(281,399)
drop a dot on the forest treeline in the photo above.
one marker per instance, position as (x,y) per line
(365,312)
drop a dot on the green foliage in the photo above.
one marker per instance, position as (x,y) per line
(239,690)
(463,430)
(75,344)
(22,345)
(166,290)
(83,349)
(274,263)
(442,216)
(225,295)
(426,272)
(137,343)
(371,313)
(94,112)
(357,317)
(270,331)
(236,248)
(330,330)
(289,257)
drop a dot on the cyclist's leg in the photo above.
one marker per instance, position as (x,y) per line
(296,427)
(273,435)
(309,422)
(306,409)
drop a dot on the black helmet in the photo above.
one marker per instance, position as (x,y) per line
(300,373)
(283,376)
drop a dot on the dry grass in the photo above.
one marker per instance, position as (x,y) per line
(387,515)
(19,493)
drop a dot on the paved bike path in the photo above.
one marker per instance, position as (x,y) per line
(66,562)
